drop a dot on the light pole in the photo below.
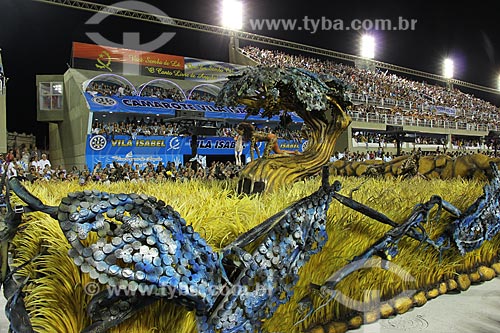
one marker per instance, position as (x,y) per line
(366,52)
(232,19)
(448,71)
(367,47)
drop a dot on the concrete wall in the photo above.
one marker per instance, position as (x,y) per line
(237,57)
(48,115)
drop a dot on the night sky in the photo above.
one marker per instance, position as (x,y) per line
(36,39)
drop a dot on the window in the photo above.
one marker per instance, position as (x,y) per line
(51,95)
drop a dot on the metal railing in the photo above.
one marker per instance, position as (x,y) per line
(400,120)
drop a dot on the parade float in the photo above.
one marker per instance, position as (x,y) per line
(326,254)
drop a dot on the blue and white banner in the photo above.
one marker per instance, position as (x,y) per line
(143,149)
(150,105)
(444,110)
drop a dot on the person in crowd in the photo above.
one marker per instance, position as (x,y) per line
(46,172)
(10,157)
(25,158)
(97,169)
(238,148)
(250,134)
(36,153)
(43,163)
(11,167)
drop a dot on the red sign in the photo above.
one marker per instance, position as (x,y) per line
(107,58)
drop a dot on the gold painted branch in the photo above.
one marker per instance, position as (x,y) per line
(268,174)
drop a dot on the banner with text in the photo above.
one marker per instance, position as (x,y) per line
(444,110)
(122,61)
(150,105)
(143,149)
(125,61)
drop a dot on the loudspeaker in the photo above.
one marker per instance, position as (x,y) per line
(493,134)
(205,131)
(189,113)
(393,128)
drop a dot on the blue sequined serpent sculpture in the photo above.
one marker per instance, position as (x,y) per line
(145,243)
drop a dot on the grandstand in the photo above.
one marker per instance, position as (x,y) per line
(180,90)
(446,117)
(98,112)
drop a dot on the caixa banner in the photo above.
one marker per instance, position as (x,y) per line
(143,149)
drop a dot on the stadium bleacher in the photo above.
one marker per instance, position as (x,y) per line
(392,95)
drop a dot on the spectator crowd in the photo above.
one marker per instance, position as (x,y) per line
(147,126)
(419,100)
(26,165)
(35,166)
(161,91)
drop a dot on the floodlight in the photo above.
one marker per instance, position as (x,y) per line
(448,68)
(232,14)
(368,46)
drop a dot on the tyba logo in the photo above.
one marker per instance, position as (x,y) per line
(131,40)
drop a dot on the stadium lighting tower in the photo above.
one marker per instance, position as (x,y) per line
(368,46)
(232,14)
(448,68)
(232,19)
